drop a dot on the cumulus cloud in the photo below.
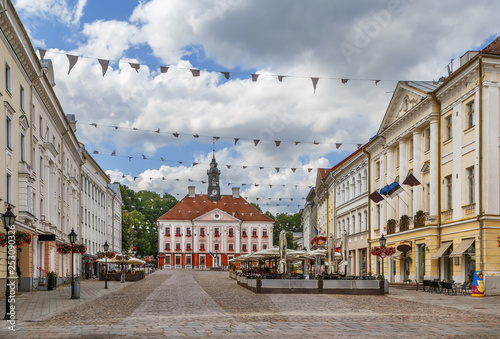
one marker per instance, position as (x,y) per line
(392,40)
(61,10)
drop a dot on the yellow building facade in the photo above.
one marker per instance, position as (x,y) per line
(445,135)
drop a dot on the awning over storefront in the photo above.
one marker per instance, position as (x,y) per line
(462,247)
(444,246)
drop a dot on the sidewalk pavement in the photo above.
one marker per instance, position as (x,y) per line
(487,304)
(39,305)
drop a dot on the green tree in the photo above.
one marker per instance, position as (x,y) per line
(290,223)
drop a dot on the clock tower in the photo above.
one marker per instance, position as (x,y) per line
(213,181)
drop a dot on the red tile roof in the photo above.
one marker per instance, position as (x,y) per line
(323,172)
(493,48)
(192,208)
(350,156)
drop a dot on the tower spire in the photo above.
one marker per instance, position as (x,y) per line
(213,179)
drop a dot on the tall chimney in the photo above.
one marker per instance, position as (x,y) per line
(191,191)
(236,192)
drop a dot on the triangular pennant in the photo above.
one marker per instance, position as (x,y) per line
(96,152)
(255,77)
(135,66)
(244,166)
(42,53)
(277,169)
(229,184)
(359,145)
(337,145)
(256,185)
(297,142)
(143,157)
(162,159)
(116,127)
(176,135)
(157,131)
(194,164)
(315,82)
(226,75)
(236,140)
(195,72)
(280,78)
(163,69)
(216,138)
(376,82)
(113,153)
(228,166)
(293,170)
(344,81)
(315,142)
(256,141)
(277,142)
(309,169)
(270,186)
(104,65)
(261,167)
(196,136)
(72,61)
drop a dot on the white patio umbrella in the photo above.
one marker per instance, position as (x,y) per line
(331,254)
(282,250)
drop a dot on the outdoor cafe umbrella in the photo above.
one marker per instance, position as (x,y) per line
(282,250)
(330,253)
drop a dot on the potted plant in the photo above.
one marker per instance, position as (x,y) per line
(51,280)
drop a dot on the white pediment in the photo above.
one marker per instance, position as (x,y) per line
(403,100)
(216,215)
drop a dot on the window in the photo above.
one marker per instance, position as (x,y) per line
(254,233)
(40,121)
(167,246)
(8,132)
(448,132)
(470,184)
(167,230)
(8,84)
(217,234)
(188,246)
(231,232)
(411,149)
(231,247)
(264,233)
(397,157)
(216,247)
(427,136)
(377,170)
(244,232)
(9,188)
(21,98)
(202,246)
(254,247)
(188,232)
(23,147)
(244,247)
(177,246)
(264,246)
(41,168)
(202,232)
(177,231)
(470,114)
(449,192)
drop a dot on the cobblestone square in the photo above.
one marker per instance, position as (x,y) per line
(208,304)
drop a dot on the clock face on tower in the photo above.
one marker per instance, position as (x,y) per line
(214,192)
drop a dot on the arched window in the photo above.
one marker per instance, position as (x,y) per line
(360,184)
(365,180)
(347,195)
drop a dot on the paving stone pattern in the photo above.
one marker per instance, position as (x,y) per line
(186,303)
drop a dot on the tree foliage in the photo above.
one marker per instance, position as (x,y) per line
(139,215)
(290,223)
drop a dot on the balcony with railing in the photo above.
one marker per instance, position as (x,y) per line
(469,210)
(447,216)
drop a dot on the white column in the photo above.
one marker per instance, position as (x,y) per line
(417,166)
(403,170)
(490,156)
(434,166)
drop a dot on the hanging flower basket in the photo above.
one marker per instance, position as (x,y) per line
(22,238)
(110,255)
(379,250)
(77,248)
(100,254)
(121,257)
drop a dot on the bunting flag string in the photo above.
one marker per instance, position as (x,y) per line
(193,164)
(256,142)
(229,184)
(196,72)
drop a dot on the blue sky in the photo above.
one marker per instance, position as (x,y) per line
(413,41)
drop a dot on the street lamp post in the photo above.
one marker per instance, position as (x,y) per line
(72,240)
(382,241)
(8,222)
(106,248)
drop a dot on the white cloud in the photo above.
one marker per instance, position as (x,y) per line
(60,10)
(414,42)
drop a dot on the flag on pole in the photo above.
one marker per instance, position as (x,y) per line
(394,189)
(384,190)
(376,197)
(411,180)
(211,254)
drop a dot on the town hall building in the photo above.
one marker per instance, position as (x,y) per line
(207,230)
